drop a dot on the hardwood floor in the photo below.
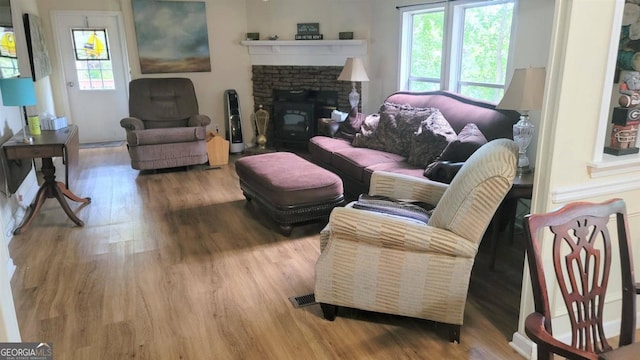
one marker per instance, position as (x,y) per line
(177,265)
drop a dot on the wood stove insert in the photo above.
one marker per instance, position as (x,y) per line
(296,113)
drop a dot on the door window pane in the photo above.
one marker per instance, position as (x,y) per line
(93,65)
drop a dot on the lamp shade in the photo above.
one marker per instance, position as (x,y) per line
(18,92)
(525,90)
(353,70)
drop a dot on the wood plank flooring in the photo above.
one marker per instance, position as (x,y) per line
(177,265)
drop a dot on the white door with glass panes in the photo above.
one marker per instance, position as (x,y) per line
(91,47)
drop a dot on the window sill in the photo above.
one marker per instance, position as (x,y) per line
(610,165)
(614,165)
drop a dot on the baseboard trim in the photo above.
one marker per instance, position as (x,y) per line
(524,346)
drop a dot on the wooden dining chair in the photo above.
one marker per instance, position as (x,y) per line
(581,248)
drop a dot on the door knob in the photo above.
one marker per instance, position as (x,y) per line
(70,84)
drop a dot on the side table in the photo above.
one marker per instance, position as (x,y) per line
(505,217)
(49,144)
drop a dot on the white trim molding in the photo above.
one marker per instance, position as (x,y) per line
(524,346)
(304,52)
(614,165)
(582,192)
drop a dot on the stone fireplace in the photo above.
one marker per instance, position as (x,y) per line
(301,67)
(276,87)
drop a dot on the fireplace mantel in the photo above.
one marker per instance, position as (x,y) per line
(304,52)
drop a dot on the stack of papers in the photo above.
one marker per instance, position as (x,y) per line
(338,116)
(53,124)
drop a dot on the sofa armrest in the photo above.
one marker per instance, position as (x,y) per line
(389,232)
(400,186)
(165,136)
(131,123)
(199,120)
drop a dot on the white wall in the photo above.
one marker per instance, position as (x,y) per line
(11,210)
(12,118)
(230,63)
(228,22)
(567,128)
(280,17)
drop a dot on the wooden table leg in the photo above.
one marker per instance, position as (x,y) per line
(52,189)
(65,206)
(70,195)
(33,210)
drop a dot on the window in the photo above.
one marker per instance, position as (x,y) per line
(461,46)
(93,65)
(8,57)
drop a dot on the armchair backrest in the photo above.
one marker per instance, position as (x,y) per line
(162,102)
(472,198)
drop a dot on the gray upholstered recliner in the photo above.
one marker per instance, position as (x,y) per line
(164,129)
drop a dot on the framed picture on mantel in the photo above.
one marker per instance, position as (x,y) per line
(308,28)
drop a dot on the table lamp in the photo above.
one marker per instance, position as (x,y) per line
(353,71)
(524,94)
(19,92)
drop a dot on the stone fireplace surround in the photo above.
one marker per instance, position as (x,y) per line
(267,78)
(301,65)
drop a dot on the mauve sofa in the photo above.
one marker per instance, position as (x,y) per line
(356,164)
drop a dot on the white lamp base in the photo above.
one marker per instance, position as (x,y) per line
(522,135)
(354,97)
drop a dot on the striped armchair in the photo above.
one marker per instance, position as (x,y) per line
(376,262)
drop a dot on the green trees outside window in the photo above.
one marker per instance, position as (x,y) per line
(460,46)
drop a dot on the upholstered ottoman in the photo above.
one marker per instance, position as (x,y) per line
(291,189)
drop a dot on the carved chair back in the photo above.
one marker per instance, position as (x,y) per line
(581,248)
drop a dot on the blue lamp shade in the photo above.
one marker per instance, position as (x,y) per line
(18,92)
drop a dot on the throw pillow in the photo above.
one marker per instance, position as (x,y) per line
(469,140)
(397,124)
(351,125)
(431,138)
(442,171)
(367,130)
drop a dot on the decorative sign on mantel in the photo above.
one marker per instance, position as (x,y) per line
(308,31)
(308,28)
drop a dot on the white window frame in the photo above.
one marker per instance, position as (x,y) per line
(452,41)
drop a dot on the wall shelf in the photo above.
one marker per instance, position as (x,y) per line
(304,52)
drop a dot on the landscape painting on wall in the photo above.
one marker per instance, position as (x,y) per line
(36,47)
(172,36)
